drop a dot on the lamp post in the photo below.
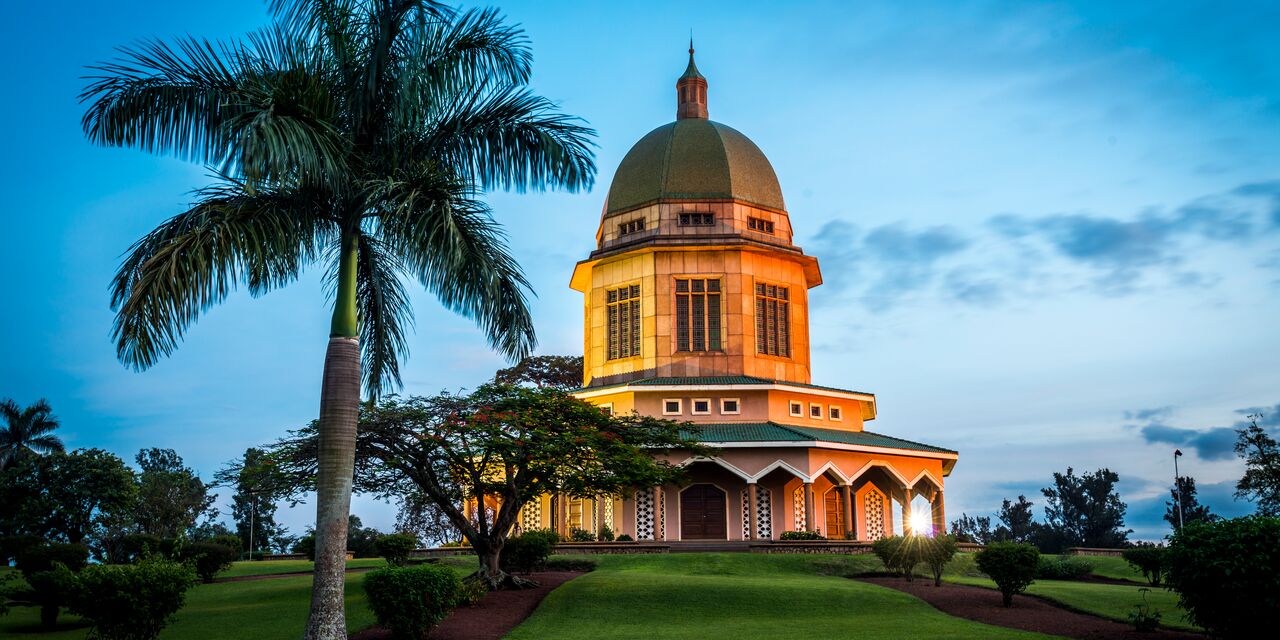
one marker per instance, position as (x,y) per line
(1177,486)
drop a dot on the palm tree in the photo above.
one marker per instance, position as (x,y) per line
(27,431)
(356,134)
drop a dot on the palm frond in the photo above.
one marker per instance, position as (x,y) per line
(449,241)
(440,58)
(512,139)
(263,238)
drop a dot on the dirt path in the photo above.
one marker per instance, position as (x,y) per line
(1027,613)
(497,613)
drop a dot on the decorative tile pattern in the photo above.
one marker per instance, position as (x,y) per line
(644,514)
(662,510)
(531,515)
(608,514)
(797,508)
(875,514)
(764,513)
(746,514)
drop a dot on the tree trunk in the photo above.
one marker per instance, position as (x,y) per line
(491,574)
(339,415)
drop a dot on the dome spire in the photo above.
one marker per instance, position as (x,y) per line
(691,91)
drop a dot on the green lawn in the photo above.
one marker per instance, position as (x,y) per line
(714,595)
(739,596)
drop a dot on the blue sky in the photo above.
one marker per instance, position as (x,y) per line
(1050,231)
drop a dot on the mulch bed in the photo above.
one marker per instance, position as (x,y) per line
(497,613)
(1027,613)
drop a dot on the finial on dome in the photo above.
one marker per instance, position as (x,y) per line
(691,91)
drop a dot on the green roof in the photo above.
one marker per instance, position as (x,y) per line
(694,158)
(713,433)
(690,71)
(657,381)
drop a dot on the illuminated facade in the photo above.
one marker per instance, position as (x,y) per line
(696,309)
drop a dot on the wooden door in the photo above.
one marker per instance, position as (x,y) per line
(834,506)
(702,513)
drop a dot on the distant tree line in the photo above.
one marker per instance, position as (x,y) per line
(1086,510)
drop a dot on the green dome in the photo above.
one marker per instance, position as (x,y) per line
(694,158)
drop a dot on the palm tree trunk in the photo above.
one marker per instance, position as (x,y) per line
(339,414)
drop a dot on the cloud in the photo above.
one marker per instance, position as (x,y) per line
(1014,254)
(894,260)
(1214,443)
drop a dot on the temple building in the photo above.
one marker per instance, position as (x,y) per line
(696,308)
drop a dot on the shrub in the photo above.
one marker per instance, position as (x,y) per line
(396,548)
(581,535)
(900,554)
(937,552)
(411,600)
(132,602)
(306,545)
(228,541)
(1062,568)
(801,535)
(42,557)
(470,592)
(527,553)
(50,590)
(1011,565)
(569,564)
(208,558)
(1144,617)
(13,546)
(136,546)
(1148,559)
(606,534)
(1225,575)
(625,538)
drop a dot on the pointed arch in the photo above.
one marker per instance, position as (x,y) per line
(887,467)
(779,464)
(746,477)
(926,475)
(831,466)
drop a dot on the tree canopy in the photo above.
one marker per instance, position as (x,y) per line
(558,372)
(1261,455)
(1086,510)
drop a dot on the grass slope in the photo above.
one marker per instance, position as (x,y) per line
(1115,601)
(738,596)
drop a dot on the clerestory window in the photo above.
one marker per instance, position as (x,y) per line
(773,328)
(697,314)
(624,322)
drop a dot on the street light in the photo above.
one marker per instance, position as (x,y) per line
(1177,486)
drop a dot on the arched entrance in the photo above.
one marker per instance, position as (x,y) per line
(703,513)
(833,505)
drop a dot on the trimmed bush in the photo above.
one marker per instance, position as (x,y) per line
(208,558)
(132,601)
(937,552)
(900,554)
(527,553)
(50,590)
(306,545)
(1011,565)
(396,548)
(581,535)
(1063,568)
(801,535)
(625,538)
(13,546)
(1225,575)
(136,546)
(1148,559)
(411,600)
(228,540)
(606,534)
(42,557)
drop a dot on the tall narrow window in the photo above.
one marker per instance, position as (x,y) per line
(773,335)
(697,314)
(624,322)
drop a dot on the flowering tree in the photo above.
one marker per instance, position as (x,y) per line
(501,444)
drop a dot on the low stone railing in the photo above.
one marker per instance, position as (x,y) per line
(849,547)
(610,548)
(1093,551)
